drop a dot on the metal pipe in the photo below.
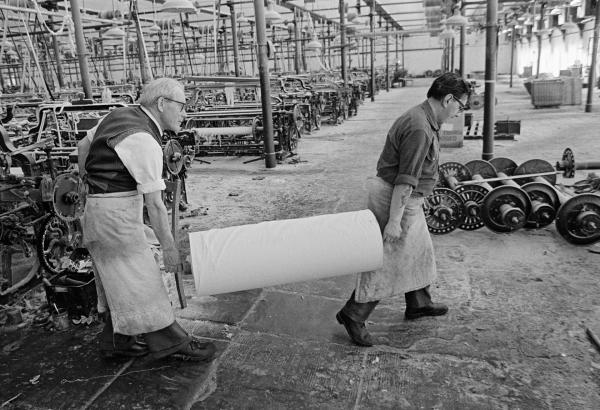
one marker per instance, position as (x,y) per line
(234,35)
(343,40)
(140,44)
(81,55)
(592,73)
(59,68)
(540,26)
(387,59)
(512,55)
(186,45)
(461,52)
(372,39)
(297,51)
(490,79)
(265,86)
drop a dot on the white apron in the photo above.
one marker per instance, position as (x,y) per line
(128,280)
(408,264)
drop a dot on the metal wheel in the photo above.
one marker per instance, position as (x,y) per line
(444,211)
(472,196)
(535,166)
(292,138)
(578,219)
(452,169)
(56,241)
(545,202)
(505,165)
(505,209)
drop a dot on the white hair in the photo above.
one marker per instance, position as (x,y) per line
(161,87)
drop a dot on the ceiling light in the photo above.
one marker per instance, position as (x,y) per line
(556,11)
(570,26)
(351,16)
(155,29)
(575,3)
(178,6)
(313,44)
(114,32)
(242,19)
(457,19)
(271,16)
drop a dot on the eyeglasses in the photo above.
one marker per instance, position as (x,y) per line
(461,105)
(176,102)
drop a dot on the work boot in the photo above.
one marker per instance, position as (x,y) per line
(115,345)
(353,316)
(174,341)
(419,304)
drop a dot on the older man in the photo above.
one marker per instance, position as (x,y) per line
(407,172)
(123,164)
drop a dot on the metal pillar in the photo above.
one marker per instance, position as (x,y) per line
(592,74)
(540,26)
(57,56)
(490,79)
(387,59)
(372,42)
(298,51)
(512,55)
(81,54)
(140,45)
(234,35)
(343,40)
(461,50)
(265,86)
(452,48)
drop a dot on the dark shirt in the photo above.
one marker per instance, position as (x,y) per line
(411,151)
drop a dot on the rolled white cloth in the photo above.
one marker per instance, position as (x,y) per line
(291,250)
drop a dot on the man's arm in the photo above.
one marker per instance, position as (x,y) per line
(83,149)
(393,228)
(159,219)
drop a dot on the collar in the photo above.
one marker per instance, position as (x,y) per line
(149,114)
(430,115)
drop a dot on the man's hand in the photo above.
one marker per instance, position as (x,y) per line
(392,232)
(171,259)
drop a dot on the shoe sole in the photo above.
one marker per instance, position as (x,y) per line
(187,358)
(414,316)
(342,322)
(113,355)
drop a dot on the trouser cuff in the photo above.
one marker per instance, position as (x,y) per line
(418,298)
(358,312)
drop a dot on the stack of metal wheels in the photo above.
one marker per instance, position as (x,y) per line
(506,197)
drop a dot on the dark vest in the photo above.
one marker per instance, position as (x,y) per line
(106,172)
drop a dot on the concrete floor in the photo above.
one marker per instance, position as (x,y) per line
(514,337)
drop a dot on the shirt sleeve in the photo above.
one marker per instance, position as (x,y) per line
(143,158)
(413,150)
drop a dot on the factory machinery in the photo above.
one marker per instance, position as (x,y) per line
(42,196)
(506,197)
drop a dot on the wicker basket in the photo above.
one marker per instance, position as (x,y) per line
(547,93)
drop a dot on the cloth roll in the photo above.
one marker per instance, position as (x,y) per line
(285,251)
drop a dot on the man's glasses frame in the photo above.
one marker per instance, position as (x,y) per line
(183,104)
(461,105)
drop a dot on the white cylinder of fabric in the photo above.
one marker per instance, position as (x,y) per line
(209,132)
(291,250)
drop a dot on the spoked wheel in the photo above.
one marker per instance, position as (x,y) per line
(292,140)
(56,241)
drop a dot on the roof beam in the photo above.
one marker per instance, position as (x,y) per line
(382,12)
